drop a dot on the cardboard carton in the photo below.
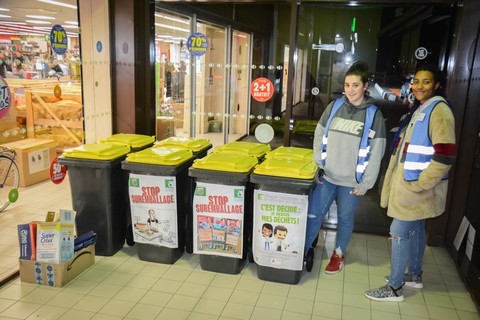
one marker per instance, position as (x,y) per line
(33,159)
(165,127)
(56,274)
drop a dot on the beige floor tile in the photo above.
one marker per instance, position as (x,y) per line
(209,306)
(106,290)
(91,303)
(299,305)
(5,303)
(413,309)
(237,311)
(47,313)
(383,315)
(202,316)
(260,313)
(73,314)
(184,303)
(464,304)
(130,294)
(353,313)
(225,280)
(101,316)
(117,308)
(440,313)
(97,275)
(80,286)
(167,285)
(156,298)
(250,284)
(15,291)
(278,289)
(176,274)
(438,300)
(327,310)
(201,277)
(144,312)
(20,310)
(289,315)
(65,299)
(118,278)
(244,297)
(301,292)
(217,293)
(192,289)
(356,300)
(466,315)
(41,295)
(141,282)
(271,301)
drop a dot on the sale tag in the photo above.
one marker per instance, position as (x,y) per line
(261,89)
(58,39)
(57,171)
(197,44)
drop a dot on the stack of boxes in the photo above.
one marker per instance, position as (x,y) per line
(47,250)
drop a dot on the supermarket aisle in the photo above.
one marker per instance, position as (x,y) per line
(123,287)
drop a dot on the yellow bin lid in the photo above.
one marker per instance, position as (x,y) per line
(287,168)
(135,141)
(194,144)
(160,156)
(226,162)
(246,148)
(290,153)
(97,151)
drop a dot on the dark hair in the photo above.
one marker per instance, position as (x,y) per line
(268,226)
(279,228)
(438,77)
(359,68)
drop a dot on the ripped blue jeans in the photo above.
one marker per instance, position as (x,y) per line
(319,202)
(409,240)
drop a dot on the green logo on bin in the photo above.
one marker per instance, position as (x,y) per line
(238,193)
(134,182)
(200,191)
(169,183)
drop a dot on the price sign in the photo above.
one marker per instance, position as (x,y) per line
(5,98)
(58,39)
(197,44)
(57,171)
(261,89)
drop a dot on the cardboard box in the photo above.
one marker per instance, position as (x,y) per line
(56,274)
(165,127)
(33,159)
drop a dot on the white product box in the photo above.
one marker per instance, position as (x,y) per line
(55,240)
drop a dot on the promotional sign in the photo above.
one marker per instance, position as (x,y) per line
(218,212)
(153,202)
(262,89)
(58,39)
(57,171)
(197,44)
(279,226)
(5,98)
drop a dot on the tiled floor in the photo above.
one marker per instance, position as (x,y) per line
(123,287)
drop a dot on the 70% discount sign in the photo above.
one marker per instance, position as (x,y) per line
(197,44)
(261,89)
(58,39)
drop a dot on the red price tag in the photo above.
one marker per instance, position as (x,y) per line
(261,89)
(57,171)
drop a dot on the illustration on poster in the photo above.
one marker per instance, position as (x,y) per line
(267,232)
(280,234)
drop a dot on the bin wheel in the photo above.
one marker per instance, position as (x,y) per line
(314,244)
(129,236)
(309,260)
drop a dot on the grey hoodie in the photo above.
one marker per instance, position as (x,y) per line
(343,145)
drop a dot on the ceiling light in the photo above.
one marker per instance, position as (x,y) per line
(72,22)
(58,3)
(4,9)
(172,18)
(38,21)
(171,27)
(12,22)
(40,17)
(4,16)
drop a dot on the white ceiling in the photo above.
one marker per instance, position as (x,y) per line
(19,9)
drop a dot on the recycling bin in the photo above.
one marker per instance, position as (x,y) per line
(159,201)
(245,148)
(281,189)
(222,210)
(290,153)
(199,147)
(98,187)
(136,142)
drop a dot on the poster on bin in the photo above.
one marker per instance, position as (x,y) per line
(279,226)
(218,212)
(153,203)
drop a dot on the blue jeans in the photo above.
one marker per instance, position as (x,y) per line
(320,200)
(409,240)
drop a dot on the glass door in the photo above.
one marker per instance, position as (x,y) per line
(239,102)
(210,85)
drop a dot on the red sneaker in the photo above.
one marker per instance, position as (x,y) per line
(336,263)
